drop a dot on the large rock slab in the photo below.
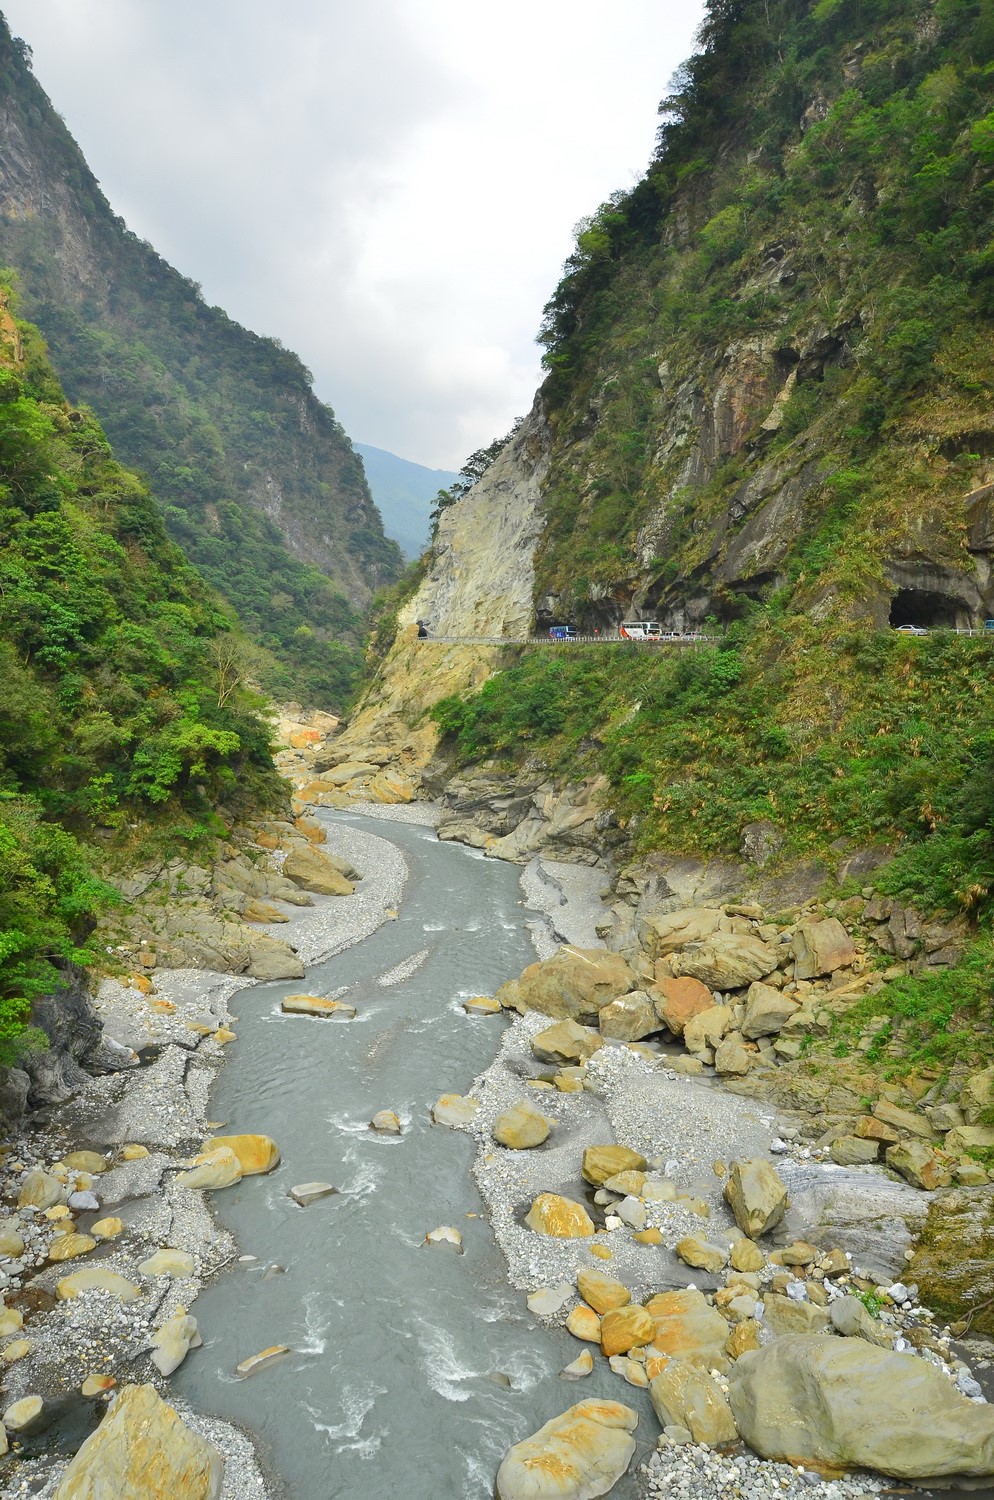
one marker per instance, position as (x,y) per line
(821,948)
(143,1451)
(920,1164)
(727,961)
(845,1403)
(629,1018)
(767,1010)
(707,1028)
(521,1127)
(566,1042)
(311,870)
(678,1001)
(561,1218)
(684,1396)
(317,1005)
(574,984)
(689,1328)
(667,933)
(577,1456)
(756,1195)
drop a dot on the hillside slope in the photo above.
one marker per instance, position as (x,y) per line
(259,483)
(122,720)
(768,405)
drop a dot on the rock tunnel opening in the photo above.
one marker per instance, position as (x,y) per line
(923,607)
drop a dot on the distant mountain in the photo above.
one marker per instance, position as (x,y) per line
(257,481)
(404,493)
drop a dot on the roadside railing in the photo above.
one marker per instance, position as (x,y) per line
(572,640)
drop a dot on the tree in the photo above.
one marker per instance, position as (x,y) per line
(471,473)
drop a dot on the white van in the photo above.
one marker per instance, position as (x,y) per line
(640,630)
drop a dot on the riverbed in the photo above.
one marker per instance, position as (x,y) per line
(412,1370)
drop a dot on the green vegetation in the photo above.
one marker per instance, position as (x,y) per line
(873,737)
(122,703)
(820,210)
(257,480)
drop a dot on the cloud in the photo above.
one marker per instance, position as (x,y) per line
(389,188)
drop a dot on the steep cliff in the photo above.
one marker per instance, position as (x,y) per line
(258,481)
(768,406)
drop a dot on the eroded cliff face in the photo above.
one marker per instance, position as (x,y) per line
(478,590)
(221,419)
(482,574)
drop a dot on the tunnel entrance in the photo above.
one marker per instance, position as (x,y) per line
(930,610)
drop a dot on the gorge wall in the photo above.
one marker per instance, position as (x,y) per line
(258,481)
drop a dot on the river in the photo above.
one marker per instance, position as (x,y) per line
(412,1370)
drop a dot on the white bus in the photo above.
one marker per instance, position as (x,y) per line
(640,630)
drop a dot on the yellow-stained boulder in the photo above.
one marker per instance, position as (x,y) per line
(96,1279)
(311,870)
(602,1292)
(256,1153)
(315,1005)
(561,1218)
(134,1152)
(625,1328)
(168,1262)
(217,1168)
(521,1127)
(143,1451)
(107,1229)
(577,1456)
(70,1246)
(583,1323)
(602,1162)
(86,1161)
(40,1189)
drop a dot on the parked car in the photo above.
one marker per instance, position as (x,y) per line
(911,630)
(562,633)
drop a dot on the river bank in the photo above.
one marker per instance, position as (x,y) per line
(354,1370)
(139,1127)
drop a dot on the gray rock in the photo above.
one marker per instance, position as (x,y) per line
(843,1402)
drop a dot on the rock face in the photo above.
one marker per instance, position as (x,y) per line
(574,984)
(756,1196)
(521,1127)
(143,1451)
(577,1456)
(845,1403)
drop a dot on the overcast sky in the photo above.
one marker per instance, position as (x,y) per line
(389,186)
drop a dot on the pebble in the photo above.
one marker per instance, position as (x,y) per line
(680,1468)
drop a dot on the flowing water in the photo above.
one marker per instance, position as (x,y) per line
(412,1370)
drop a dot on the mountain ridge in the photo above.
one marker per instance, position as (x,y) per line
(258,481)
